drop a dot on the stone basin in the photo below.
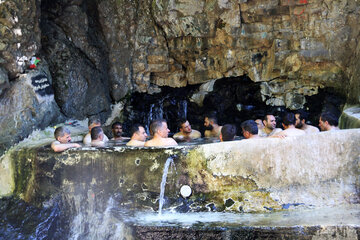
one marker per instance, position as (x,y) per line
(264,176)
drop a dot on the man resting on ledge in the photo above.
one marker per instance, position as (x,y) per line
(63,139)
(138,136)
(160,130)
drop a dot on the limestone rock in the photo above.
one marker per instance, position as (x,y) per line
(78,60)
(27,105)
(20,34)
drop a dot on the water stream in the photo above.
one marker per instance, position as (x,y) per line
(169,162)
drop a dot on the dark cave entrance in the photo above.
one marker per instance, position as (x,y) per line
(234,100)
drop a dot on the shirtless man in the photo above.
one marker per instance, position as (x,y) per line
(212,127)
(186,133)
(97,137)
(228,132)
(63,139)
(160,131)
(289,126)
(269,126)
(117,132)
(300,123)
(250,129)
(94,122)
(328,122)
(138,136)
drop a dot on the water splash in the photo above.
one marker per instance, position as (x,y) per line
(163,182)
(92,224)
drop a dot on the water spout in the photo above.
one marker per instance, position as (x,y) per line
(163,182)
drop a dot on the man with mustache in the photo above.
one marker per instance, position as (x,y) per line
(63,140)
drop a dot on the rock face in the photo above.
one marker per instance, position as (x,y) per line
(77,55)
(27,105)
(20,34)
(100,52)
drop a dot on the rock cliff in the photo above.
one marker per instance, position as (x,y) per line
(99,52)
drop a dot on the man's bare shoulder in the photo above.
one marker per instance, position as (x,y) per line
(161,142)
(291,132)
(135,143)
(171,142)
(178,135)
(55,143)
(311,129)
(195,134)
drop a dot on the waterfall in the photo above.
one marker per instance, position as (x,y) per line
(156,111)
(183,109)
(92,224)
(163,182)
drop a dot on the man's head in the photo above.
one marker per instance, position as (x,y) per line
(300,118)
(228,132)
(327,121)
(138,133)
(117,130)
(184,126)
(288,119)
(249,128)
(159,128)
(269,122)
(93,122)
(209,122)
(62,134)
(97,133)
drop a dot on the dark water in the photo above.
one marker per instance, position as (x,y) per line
(20,220)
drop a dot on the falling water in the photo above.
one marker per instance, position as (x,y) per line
(156,111)
(92,224)
(183,109)
(163,182)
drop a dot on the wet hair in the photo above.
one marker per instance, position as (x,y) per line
(181,122)
(330,118)
(116,124)
(96,132)
(135,128)
(94,120)
(265,118)
(288,119)
(303,115)
(60,132)
(155,125)
(250,126)
(228,132)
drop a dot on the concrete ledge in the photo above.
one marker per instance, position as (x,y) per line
(350,118)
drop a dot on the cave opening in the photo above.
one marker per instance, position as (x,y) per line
(233,100)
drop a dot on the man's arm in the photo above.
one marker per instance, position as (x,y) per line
(59,147)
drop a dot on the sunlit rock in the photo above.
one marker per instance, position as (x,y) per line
(27,105)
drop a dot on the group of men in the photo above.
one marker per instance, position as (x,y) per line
(293,124)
